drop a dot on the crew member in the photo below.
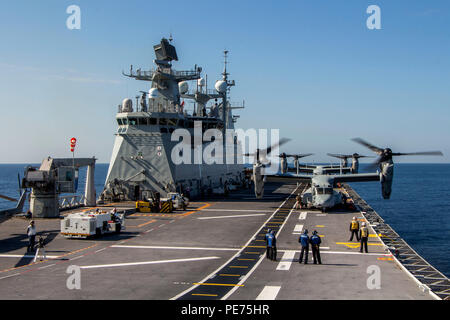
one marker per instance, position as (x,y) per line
(31,232)
(274,246)
(315,245)
(268,248)
(364,236)
(354,229)
(304,241)
(299,201)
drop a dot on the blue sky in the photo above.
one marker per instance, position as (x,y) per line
(309,68)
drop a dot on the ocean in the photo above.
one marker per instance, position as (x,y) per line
(419,208)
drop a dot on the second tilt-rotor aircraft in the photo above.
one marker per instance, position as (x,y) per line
(323,179)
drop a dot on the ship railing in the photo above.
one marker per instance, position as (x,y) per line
(148,74)
(70,202)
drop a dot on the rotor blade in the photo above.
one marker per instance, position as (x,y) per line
(340,156)
(368,145)
(280,143)
(425,153)
(302,155)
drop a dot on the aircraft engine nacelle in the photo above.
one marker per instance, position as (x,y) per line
(258,180)
(386,177)
(283,164)
(355,165)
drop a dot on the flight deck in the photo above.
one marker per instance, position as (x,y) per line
(213,250)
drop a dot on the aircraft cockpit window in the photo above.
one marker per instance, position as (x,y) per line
(328,190)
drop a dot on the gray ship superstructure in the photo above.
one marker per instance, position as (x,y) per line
(143,155)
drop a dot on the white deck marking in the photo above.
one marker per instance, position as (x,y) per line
(237,210)
(302,215)
(298,229)
(236,216)
(174,248)
(286,260)
(145,262)
(24,256)
(229,260)
(100,250)
(11,275)
(268,293)
(44,267)
(77,257)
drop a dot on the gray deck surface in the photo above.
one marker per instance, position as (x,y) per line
(203,254)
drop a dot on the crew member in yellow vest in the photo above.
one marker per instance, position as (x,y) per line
(364,235)
(354,229)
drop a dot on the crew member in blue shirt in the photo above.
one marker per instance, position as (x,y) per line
(315,245)
(304,241)
(267,243)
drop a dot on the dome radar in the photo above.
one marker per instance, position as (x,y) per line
(127,105)
(221,86)
(183,86)
(153,93)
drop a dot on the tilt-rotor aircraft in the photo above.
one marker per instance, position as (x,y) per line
(323,179)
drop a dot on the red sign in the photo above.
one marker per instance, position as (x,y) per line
(73,142)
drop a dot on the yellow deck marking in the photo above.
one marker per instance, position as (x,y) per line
(196,210)
(242,267)
(248,252)
(229,275)
(357,245)
(204,294)
(388,259)
(144,224)
(320,226)
(247,259)
(218,284)
(255,247)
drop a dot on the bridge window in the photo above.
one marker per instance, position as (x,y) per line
(142,121)
(125,121)
(162,121)
(132,121)
(153,121)
(119,121)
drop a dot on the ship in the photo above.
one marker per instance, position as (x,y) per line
(148,156)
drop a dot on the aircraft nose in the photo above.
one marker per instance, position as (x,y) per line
(324,201)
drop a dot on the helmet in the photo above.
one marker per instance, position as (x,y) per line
(306,231)
(354,218)
(314,232)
